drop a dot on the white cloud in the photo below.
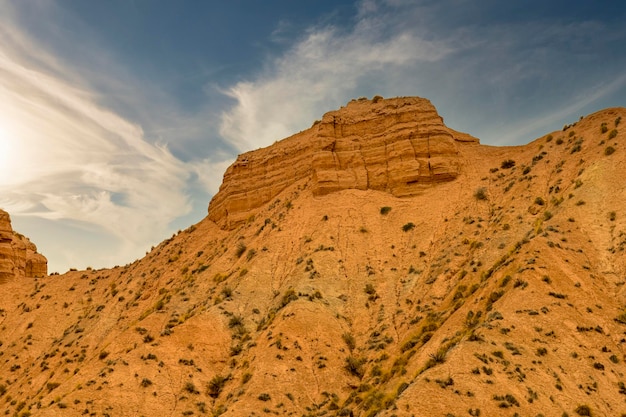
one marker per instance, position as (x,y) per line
(316,74)
(70,158)
(499,80)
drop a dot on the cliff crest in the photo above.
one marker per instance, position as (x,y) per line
(18,255)
(398,145)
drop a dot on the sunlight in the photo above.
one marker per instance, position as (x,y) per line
(4,149)
(7,156)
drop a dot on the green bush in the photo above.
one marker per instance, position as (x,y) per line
(354,366)
(583,410)
(480,193)
(408,226)
(349,340)
(612,133)
(215,386)
(241,248)
(385,210)
(609,150)
(509,163)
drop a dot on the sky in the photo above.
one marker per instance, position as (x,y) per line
(118,118)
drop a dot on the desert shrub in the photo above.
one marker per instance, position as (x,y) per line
(539,201)
(215,386)
(603,128)
(408,226)
(191,388)
(583,410)
(264,396)
(480,193)
(354,366)
(436,358)
(227,292)
(52,385)
(612,133)
(246,377)
(235,321)
(559,141)
(241,248)
(609,150)
(369,289)
(349,339)
(146,382)
(103,355)
(385,210)
(509,163)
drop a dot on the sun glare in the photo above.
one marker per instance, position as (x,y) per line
(6,156)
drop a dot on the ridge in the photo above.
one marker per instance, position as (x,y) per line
(398,145)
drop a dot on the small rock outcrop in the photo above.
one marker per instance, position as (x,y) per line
(18,255)
(398,145)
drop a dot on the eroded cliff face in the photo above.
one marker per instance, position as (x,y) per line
(18,255)
(398,145)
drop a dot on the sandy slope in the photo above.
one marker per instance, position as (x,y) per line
(501,299)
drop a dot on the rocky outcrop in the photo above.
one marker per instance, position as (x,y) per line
(398,145)
(18,255)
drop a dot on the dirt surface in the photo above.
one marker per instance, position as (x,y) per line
(499,292)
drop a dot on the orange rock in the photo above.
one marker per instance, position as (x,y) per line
(18,255)
(398,145)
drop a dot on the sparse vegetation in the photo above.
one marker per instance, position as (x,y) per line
(215,386)
(385,210)
(354,366)
(408,226)
(241,249)
(506,164)
(480,193)
(583,410)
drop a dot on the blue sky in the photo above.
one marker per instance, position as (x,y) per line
(119,117)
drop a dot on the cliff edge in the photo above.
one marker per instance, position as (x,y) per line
(398,145)
(18,255)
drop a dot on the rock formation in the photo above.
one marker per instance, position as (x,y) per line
(493,284)
(18,255)
(398,145)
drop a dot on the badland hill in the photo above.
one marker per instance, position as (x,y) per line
(376,264)
(18,255)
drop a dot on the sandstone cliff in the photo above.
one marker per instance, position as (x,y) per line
(398,145)
(18,255)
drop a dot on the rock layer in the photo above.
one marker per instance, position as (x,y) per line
(398,145)
(18,255)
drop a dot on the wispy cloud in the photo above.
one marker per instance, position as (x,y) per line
(498,79)
(73,159)
(316,75)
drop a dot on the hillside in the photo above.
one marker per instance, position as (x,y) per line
(376,264)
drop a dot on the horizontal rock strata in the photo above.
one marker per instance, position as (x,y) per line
(18,255)
(398,145)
